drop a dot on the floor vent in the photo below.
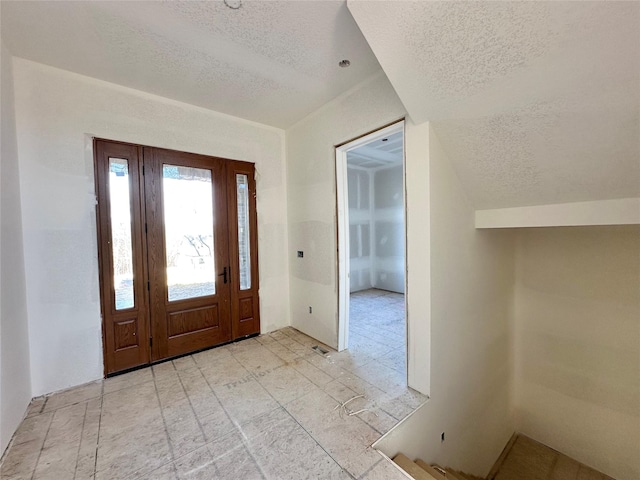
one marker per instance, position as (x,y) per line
(318,348)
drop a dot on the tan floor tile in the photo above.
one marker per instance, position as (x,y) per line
(325,364)
(125,380)
(211,357)
(35,407)
(258,359)
(164,371)
(282,352)
(245,399)
(20,461)
(346,439)
(73,395)
(216,425)
(67,424)
(228,370)
(223,458)
(57,460)
(313,373)
(136,451)
(166,472)
(185,363)
(284,383)
(384,470)
(85,468)
(33,428)
(182,418)
(284,450)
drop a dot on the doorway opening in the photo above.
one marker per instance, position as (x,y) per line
(371,246)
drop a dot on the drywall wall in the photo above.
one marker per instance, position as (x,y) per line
(57,113)
(389,230)
(376,228)
(15,380)
(472,276)
(311,181)
(360,228)
(577,344)
(312,206)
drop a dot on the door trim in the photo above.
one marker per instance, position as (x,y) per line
(342,201)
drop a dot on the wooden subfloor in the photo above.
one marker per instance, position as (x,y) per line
(530,460)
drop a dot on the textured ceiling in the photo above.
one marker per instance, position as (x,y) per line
(534,102)
(382,153)
(272,62)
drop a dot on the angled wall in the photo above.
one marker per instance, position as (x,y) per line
(57,114)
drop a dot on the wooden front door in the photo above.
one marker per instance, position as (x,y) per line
(192,252)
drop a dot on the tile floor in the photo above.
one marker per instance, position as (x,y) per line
(263,408)
(377,328)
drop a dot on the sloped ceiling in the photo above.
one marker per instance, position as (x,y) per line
(272,62)
(534,102)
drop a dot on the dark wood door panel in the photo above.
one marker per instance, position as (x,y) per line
(151,311)
(187,316)
(121,255)
(243,248)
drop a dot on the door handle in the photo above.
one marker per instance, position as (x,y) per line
(224,274)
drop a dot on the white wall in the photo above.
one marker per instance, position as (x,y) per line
(361,245)
(311,181)
(578,344)
(472,275)
(15,381)
(377,231)
(389,229)
(57,113)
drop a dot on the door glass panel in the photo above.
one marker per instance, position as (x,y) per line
(188,228)
(120,205)
(242,189)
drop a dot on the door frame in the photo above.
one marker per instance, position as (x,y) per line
(244,305)
(342,192)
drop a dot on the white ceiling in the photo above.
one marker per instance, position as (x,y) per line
(381,153)
(272,62)
(534,102)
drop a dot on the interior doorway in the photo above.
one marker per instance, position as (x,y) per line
(371,246)
(178,252)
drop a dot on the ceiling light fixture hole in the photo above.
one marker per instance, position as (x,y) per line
(233,4)
(344,63)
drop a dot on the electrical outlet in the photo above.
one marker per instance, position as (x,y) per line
(310,310)
(300,254)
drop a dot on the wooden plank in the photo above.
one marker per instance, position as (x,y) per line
(411,468)
(453,475)
(430,470)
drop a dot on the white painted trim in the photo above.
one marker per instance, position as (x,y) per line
(343,247)
(623,211)
(343,227)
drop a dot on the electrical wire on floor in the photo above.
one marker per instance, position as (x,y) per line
(343,407)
